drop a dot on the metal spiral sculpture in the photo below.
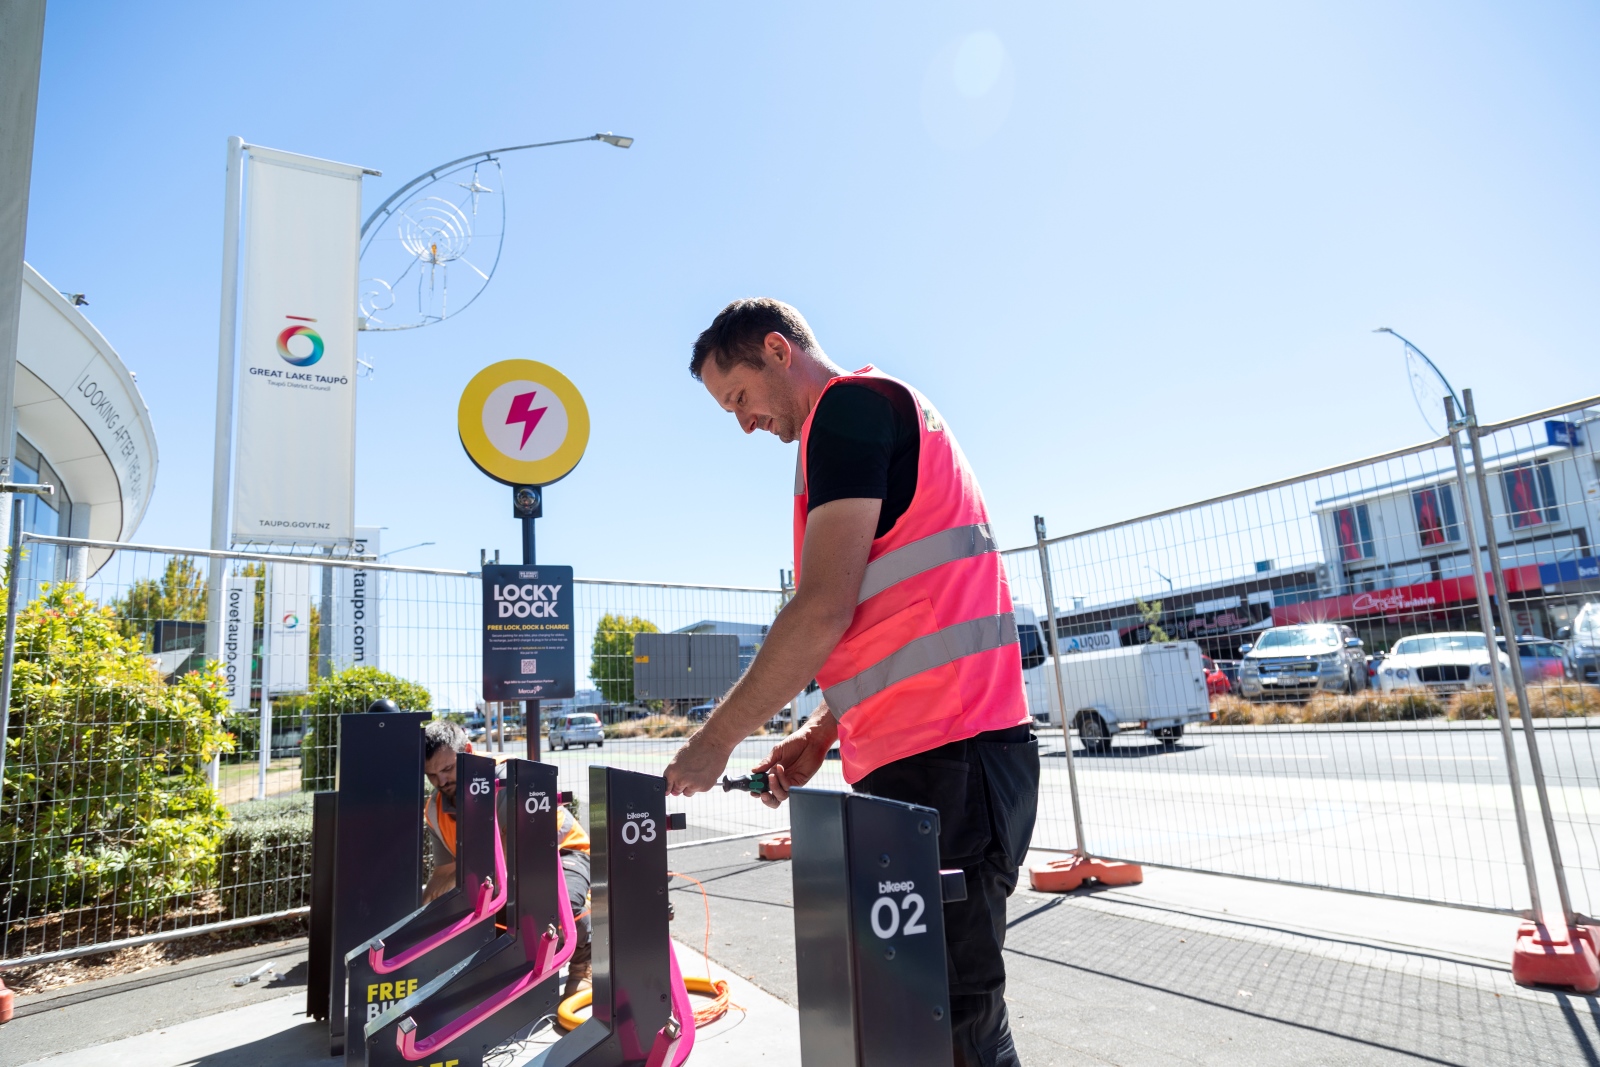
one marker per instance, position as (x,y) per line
(430,254)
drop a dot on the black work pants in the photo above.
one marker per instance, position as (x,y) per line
(986,790)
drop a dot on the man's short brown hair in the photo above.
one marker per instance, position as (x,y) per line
(442,733)
(739,331)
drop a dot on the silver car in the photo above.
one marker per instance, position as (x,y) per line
(1296,662)
(581,728)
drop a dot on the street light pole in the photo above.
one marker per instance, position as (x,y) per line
(428,175)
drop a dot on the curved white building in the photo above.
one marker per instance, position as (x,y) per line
(81,426)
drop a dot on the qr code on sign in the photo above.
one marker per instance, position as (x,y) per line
(530,666)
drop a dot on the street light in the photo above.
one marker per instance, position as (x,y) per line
(429,250)
(1428,383)
(408,548)
(1158,574)
(428,175)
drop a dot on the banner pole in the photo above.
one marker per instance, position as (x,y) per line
(221,483)
(268,610)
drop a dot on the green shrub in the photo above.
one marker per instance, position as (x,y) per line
(106,797)
(348,691)
(264,864)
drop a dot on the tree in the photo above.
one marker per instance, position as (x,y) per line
(180,594)
(1151,614)
(105,793)
(349,690)
(611,667)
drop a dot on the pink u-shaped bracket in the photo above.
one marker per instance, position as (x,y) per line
(491,898)
(543,953)
(668,1047)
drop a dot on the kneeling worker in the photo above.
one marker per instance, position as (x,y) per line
(442,739)
(902,615)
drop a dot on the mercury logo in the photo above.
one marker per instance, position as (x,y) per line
(312,337)
(525,420)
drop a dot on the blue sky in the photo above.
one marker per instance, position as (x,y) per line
(1134,252)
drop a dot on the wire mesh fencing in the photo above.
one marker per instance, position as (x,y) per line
(1295,682)
(1539,484)
(151,790)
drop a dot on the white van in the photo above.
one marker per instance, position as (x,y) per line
(1158,688)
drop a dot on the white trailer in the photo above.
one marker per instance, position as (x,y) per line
(1159,688)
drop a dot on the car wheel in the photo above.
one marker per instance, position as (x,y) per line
(1094,734)
(1169,736)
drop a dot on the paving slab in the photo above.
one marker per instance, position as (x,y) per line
(93,1013)
(1184,969)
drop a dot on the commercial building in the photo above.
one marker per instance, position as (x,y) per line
(1391,558)
(82,427)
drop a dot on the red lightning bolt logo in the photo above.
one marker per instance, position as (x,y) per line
(523,411)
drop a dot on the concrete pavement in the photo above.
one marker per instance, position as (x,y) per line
(1185,969)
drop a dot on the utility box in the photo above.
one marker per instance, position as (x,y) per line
(684,666)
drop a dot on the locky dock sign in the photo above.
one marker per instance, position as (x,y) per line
(528,640)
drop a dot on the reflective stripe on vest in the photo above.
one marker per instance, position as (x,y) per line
(925,653)
(946,546)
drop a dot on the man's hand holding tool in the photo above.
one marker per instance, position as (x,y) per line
(794,760)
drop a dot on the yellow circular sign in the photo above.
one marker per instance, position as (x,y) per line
(523,423)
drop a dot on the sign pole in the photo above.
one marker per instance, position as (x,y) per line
(527,502)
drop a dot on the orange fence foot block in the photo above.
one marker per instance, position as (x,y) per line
(1063,876)
(6,1000)
(1543,957)
(774,848)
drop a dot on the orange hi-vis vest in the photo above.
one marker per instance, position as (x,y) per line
(931,655)
(443,823)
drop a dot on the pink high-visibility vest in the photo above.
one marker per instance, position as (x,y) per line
(931,655)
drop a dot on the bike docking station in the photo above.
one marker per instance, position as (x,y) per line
(640,1011)
(504,982)
(869,930)
(366,857)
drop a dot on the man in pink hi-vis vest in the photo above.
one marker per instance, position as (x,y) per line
(902,615)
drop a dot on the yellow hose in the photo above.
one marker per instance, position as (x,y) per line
(569,1019)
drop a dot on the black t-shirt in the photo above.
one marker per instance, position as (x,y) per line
(864,444)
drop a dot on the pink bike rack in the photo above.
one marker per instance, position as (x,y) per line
(543,953)
(491,898)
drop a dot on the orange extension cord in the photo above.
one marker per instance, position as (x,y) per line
(717,989)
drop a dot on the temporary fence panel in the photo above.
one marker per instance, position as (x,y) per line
(140,799)
(1287,683)
(1332,627)
(1542,477)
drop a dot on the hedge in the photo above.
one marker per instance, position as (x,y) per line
(264,864)
(349,690)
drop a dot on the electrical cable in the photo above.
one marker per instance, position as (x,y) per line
(717,989)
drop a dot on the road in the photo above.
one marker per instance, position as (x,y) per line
(1423,812)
